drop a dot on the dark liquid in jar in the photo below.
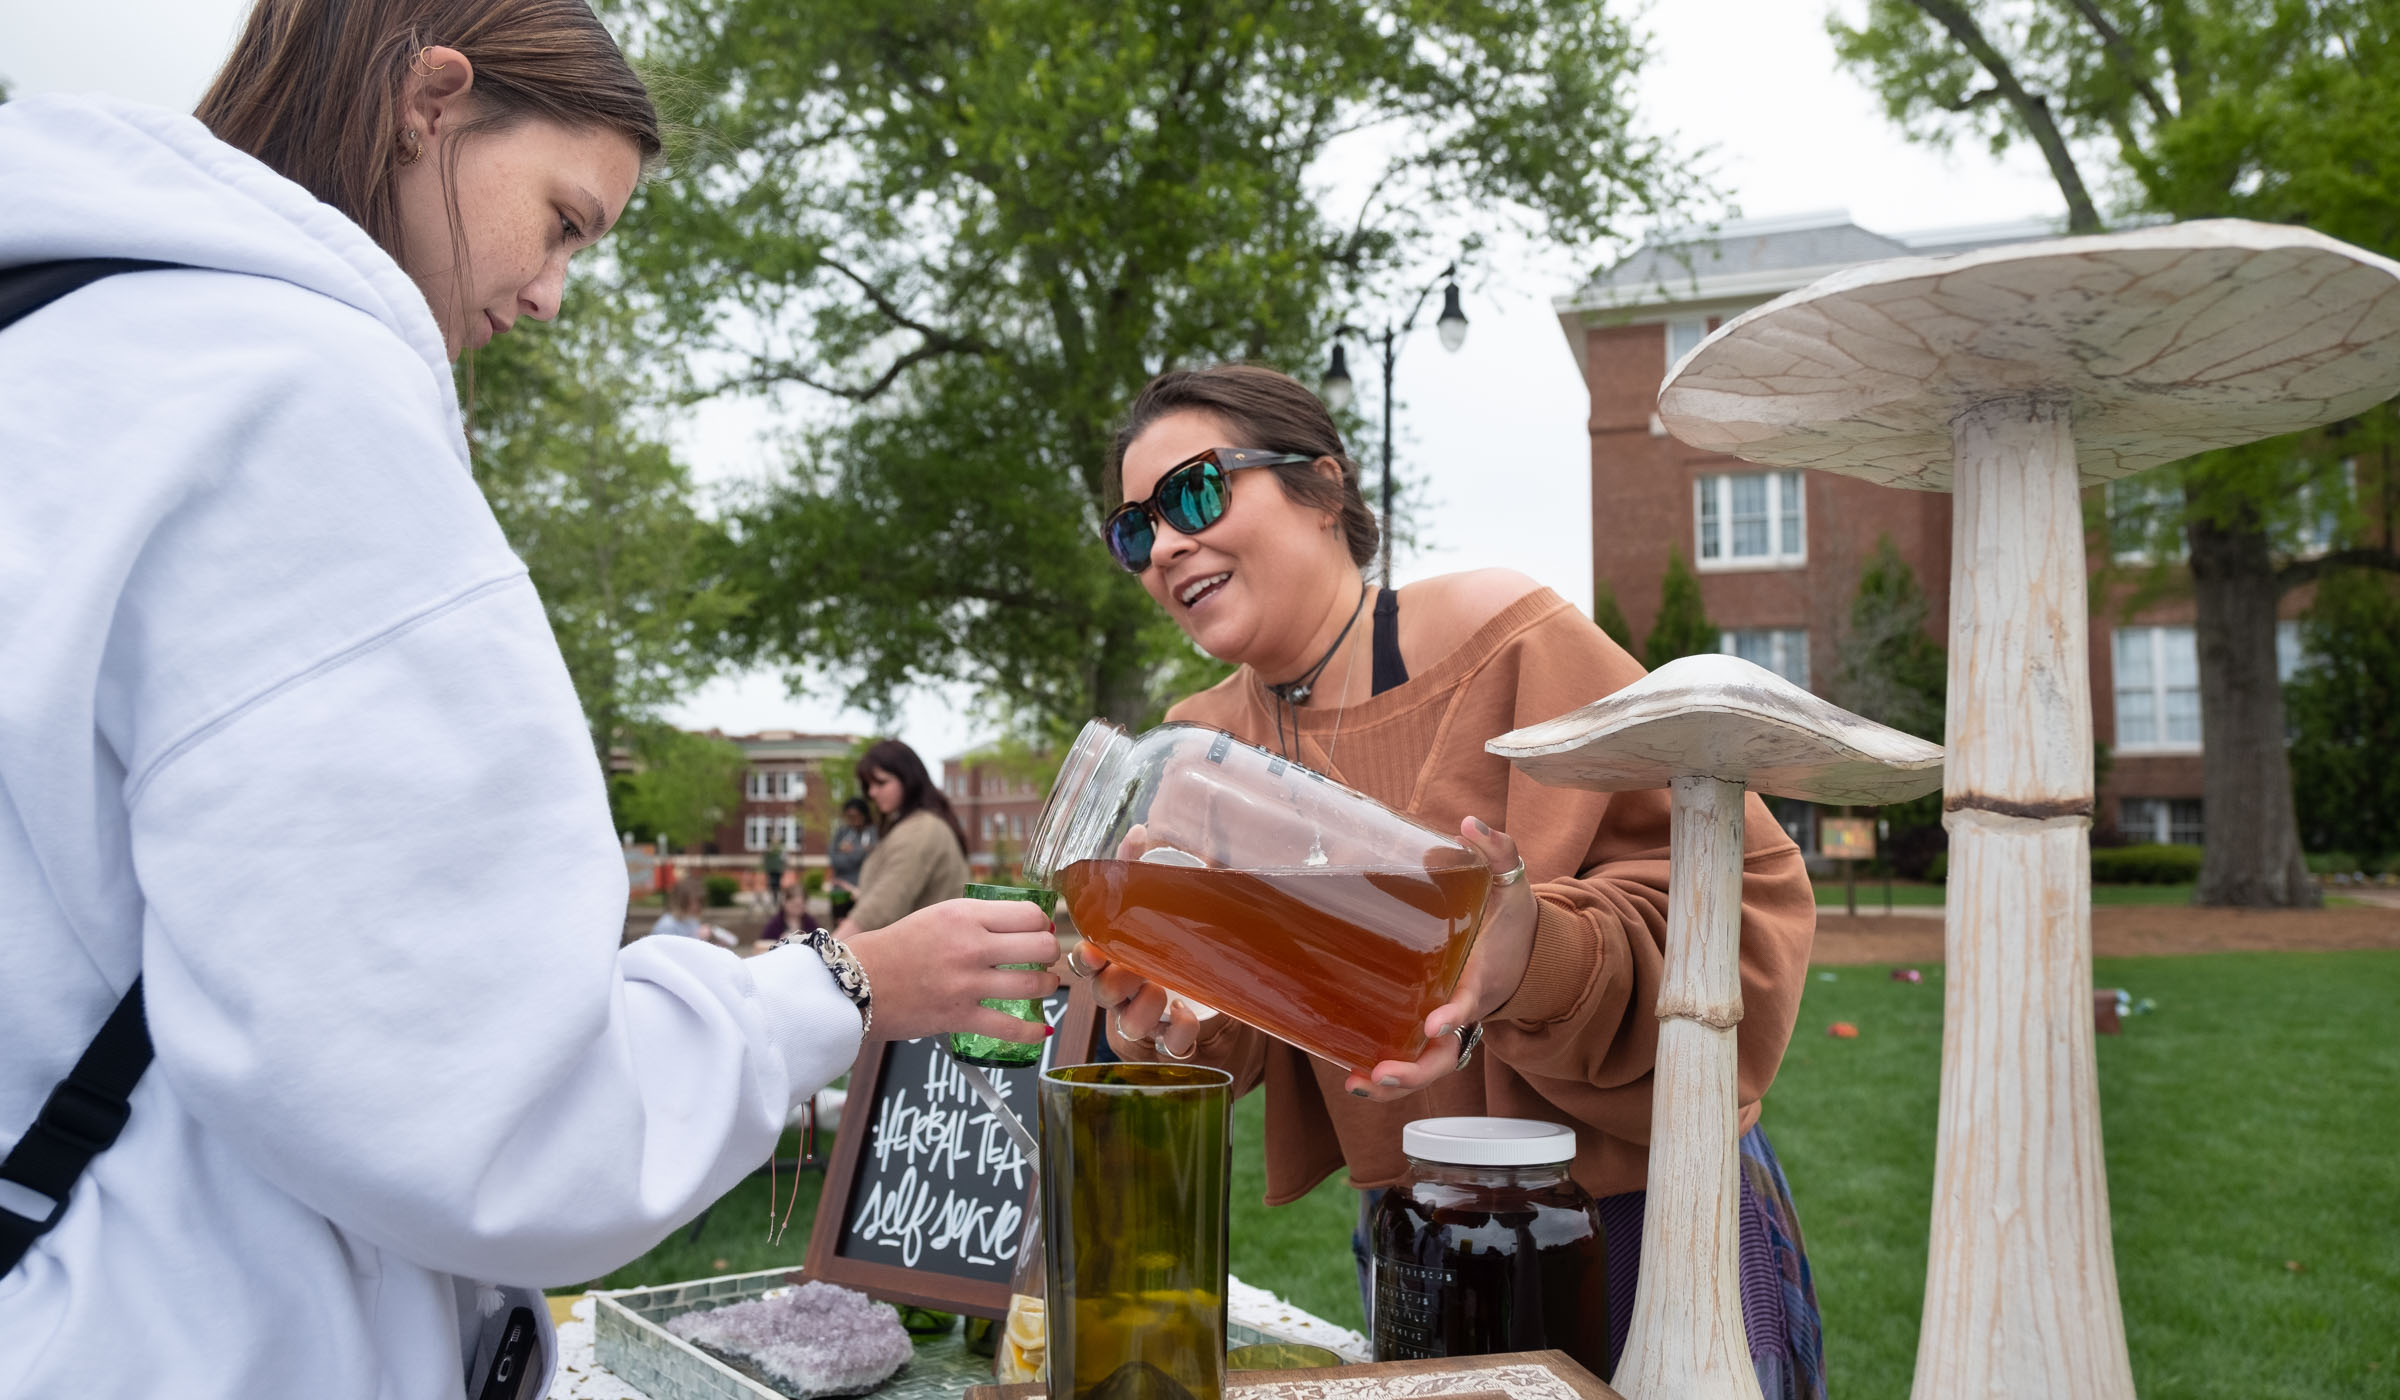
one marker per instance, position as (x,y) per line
(1471,1271)
(1345,963)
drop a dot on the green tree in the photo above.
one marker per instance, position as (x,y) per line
(1609,617)
(683,786)
(974,230)
(1889,668)
(2286,113)
(1682,627)
(2345,708)
(569,451)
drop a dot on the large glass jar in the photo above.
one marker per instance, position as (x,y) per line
(1489,1246)
(1241,880)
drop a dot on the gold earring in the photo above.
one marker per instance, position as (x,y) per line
(418,66)
(412,145)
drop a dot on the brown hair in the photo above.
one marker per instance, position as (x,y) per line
(1268,410)
(313,89)
(918,792)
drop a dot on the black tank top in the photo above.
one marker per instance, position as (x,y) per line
(1390,670)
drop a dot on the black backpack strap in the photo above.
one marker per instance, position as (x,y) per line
(83,1116)
(87,1110)
(29,287)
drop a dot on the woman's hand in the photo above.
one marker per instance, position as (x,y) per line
(1502,950)
(1139,1009)
(929,972)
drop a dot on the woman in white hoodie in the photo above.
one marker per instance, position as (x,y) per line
(255,621)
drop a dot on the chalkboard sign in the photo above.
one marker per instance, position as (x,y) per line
(928,1195)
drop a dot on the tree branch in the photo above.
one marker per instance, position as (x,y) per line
(2030,109)
(2301,571)
(2113,39)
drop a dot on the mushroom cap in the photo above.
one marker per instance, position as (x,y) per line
(2162,342)
(1723,717)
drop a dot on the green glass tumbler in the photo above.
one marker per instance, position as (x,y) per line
(991,1050)
(1135,1166)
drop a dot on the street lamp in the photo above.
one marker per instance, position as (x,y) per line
(1338,388)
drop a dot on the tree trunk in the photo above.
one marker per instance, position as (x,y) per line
(2252,853)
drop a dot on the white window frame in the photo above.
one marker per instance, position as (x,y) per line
(757,831)
(2143,496)
(2155,690)
(787,833)
(1683,333)
(1787,505)
(1786,648)
(757,784)
(2153,820)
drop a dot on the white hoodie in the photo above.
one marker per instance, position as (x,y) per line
(283,729)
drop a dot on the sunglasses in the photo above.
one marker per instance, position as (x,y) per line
(1191,497)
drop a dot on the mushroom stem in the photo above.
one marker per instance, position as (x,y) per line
(2021,1287)
(1687,1340)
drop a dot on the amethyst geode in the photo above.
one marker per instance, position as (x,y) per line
(818,1339)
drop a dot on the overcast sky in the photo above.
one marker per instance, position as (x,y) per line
(1498,428)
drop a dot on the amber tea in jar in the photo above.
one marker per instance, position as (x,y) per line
(1489,1246)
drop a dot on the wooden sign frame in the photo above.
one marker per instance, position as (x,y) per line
(1077,1040)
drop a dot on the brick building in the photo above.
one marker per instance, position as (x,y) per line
(787,795)
(1778,553)
(997,808)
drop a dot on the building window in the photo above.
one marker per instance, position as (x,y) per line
(1683,334)
(1016,827)
(2291,654)
(2165,821)
(794,784)
(2158,690)
(1783,650)
(759,785)
(2145,512)
(787,832)
(758,833)
(1749,519)
(2322,504)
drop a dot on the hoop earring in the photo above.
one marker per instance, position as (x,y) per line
(418,66)
(412,146)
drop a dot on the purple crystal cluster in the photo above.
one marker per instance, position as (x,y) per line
(818,1339)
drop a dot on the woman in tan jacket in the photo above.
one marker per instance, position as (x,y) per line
(920,855)
(1247,527)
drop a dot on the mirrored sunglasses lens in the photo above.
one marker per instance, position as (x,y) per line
(1194,498)
(1129,538)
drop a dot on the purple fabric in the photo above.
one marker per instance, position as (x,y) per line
(1779,1296)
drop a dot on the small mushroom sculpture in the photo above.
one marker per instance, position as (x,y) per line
(2014,376)
(1710,728)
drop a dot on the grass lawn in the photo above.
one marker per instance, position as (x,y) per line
(1870,894)
(2250,1125)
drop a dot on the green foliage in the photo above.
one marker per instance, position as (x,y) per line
(813,882)
(1682,628)
(2145,865)
(1610,618)
(570,452)
(684,786)
(976,230)
(721,890)
(1890,669)
(2344,711)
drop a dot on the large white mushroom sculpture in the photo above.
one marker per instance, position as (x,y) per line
(1711,728)
(2013,377)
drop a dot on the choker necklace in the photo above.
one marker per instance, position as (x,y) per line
(1296,692)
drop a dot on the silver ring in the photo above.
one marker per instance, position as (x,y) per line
(1161,1043)
(1469,1036)
(1075,961)
(1123,1034)
(1509,877)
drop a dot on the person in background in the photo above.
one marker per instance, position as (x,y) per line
(276,624)
(853,836)
(771,866)
(920,854)
(1245,525)
(791,916)
(686,915)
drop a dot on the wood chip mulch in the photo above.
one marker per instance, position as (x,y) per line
(2121,932)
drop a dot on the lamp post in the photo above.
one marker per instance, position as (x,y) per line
(1452,326)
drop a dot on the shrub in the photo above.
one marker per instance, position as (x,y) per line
(721,890)
(1937,870)
(2146,865)
(813,882)
(2333,863)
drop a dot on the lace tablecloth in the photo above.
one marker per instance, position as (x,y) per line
(580,1377)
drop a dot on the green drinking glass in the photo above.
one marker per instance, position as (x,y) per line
(991,1050)
(1135,1165)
